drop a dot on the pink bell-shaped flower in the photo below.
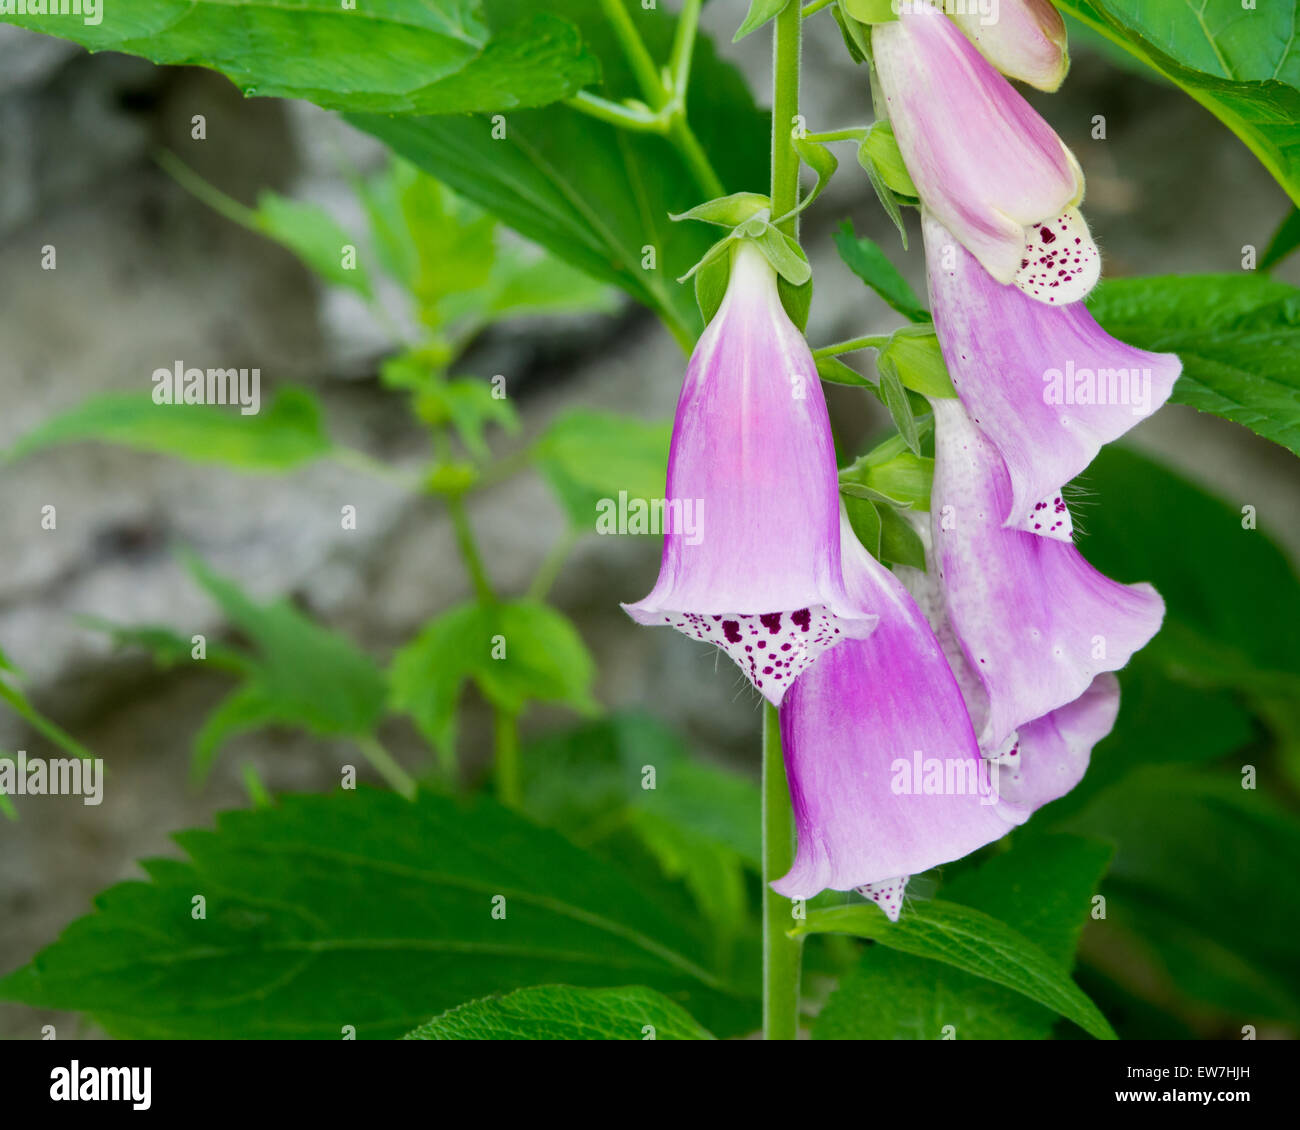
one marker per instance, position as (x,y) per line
(984,162)
(884,769)
(1049,387)
(1024,39)
(1036,622)
(757,569)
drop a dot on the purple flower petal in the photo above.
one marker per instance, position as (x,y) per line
(752,458)
(884,769)
(1036,621)
(1024,39)
(1047,386)
(983,160)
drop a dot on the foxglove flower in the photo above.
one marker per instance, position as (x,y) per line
(1047,386)
(885,772)
(752,458)
(1024,39)
(1036,622)
(984,162)
(1046,757)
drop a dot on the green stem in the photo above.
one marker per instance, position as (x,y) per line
(781,953)
(469,550)
(635,118)
(551,565)
(509,788)
(785,108)
(668,102)
(813,8)
(386,766)
(679,62)
(643,66)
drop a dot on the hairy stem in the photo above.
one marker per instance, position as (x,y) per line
(781,953)
(386,766)
(785,108)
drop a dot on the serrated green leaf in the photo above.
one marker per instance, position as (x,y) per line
(561,1012)
(1043,888)
(594,195)
(972,941)
(394,56)
(285,434)
(1238,337)
(700,823)
(362,909)
(299,674)
(1243,65)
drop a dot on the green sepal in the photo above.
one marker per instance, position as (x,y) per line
(915,355)
(880,147)
(836,372)
(870,11)
(729,211)
(760,12)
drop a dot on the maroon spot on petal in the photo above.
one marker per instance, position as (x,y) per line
(732,630)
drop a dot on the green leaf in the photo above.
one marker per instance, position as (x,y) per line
(760,12)
(311,233)
(971,941)
(899,477)
(822,161)
(900,544)
(363,909)
(895,398)
(865,259)
(594,195)
(468,405)
(1241,65)
(283,436)
(837,372)
(560,1012)
(393,56)
(1197,885)
(1042,887)
(915,354)
(167,646)
(591,458)
(515,653)
(864,517)
(711,281)
(300,673)
(880,148)
(1285,240)
(1238,337)
(699,822)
